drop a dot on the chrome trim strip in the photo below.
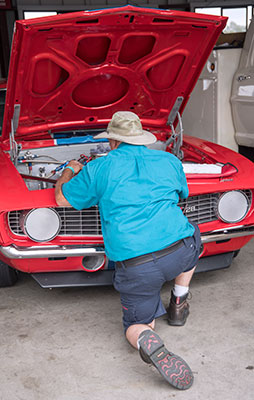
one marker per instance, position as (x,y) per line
(15,252)
(225,234)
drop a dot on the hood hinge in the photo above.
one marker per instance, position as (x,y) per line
(14,150)
(176,137)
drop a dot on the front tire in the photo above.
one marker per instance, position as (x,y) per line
(8,276)
(236,252)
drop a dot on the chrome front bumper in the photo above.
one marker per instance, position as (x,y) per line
(15,252)
(225,234)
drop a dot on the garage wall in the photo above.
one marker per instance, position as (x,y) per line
(208,112)
(74,5)
(70,5)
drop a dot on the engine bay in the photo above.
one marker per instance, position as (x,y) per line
(41,167)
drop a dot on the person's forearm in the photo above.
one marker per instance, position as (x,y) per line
(73,168)
(65,177)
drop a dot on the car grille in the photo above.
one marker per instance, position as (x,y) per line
(199,209)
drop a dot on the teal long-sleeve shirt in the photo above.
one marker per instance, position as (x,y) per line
(137,190)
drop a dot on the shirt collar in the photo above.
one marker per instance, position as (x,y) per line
(130,147)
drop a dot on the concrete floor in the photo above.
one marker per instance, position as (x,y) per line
(67,344)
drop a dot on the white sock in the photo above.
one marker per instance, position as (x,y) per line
(180,291)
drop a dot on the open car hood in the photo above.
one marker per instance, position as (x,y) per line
(76,70)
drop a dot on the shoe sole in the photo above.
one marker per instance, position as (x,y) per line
(176,323)
(172,367)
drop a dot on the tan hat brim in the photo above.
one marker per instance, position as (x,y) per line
(144,139)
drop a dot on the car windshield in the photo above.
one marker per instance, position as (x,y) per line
(2,102)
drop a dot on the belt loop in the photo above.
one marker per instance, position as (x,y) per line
(154,258)
(122,264)
(185,240)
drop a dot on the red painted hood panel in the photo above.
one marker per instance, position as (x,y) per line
(77,69)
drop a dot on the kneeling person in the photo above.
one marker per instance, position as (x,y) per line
(145,232)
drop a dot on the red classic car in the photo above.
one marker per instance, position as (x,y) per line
(68,75)
(3,84)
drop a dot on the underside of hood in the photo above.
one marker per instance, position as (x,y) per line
(76,70)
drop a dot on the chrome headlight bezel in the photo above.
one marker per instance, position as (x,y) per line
(41,224)
(239,205)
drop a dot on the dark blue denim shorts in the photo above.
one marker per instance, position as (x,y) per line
(139,286)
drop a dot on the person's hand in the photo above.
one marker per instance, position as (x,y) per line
(77,166)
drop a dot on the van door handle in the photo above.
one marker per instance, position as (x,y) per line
(241,78)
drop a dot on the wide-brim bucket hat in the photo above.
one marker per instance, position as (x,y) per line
(125,126)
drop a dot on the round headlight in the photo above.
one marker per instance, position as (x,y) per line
(233,206)
(42,224)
